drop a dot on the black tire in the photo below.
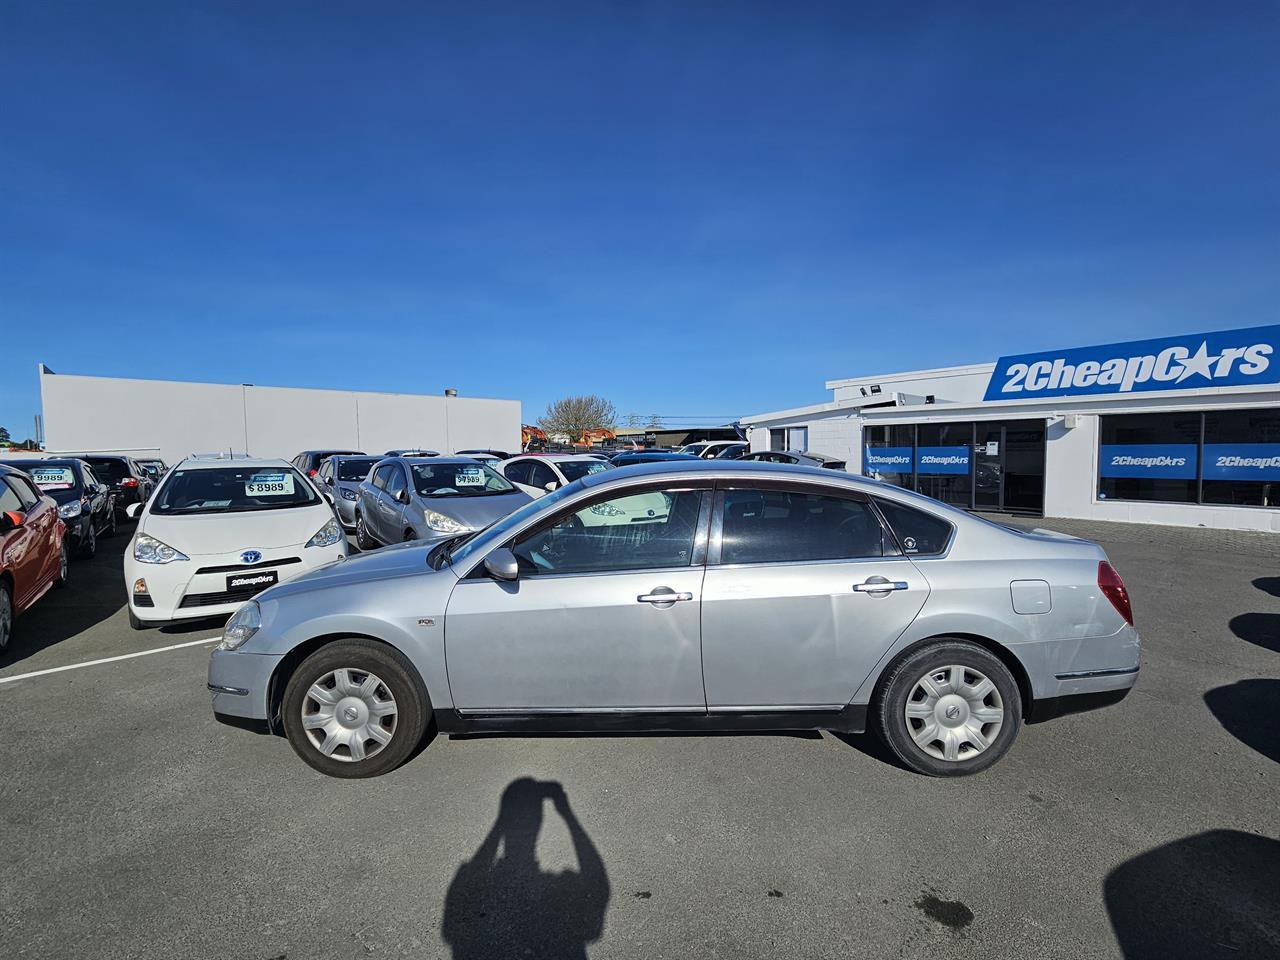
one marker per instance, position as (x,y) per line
(360,656)
(364,540)
(139,624)
(89,542)
(110,529)
(64,565)
(6,616)
(409,536)
(899,732)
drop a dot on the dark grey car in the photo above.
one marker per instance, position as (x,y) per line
(408,498)
(339,479)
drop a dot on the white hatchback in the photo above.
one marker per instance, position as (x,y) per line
(217,532)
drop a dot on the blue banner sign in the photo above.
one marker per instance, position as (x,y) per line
(1242,461)
(886,459)
(1224,358)
(1168,461)
(942,459)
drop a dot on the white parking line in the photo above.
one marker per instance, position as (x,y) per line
(94,663)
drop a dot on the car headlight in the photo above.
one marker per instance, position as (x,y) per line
(69,510)
(442,524)
(150,550)
(327,535)
(606,510)
(243,624)
(349,495)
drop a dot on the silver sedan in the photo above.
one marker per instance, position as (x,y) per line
(705,595)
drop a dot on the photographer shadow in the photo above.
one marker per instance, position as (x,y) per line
(505,905)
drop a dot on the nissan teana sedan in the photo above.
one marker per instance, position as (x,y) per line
(759,597)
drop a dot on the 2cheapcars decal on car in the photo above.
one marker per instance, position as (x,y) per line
(1224,358)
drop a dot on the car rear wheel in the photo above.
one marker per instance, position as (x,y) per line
(949,709)
(355,708)
(6,616)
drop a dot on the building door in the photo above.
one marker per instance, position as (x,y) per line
(988,471)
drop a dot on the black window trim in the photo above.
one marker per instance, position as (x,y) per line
(716,541)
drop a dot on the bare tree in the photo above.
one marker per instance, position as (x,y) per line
(655,422)
(574,415)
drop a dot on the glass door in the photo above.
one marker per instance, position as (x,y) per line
(988,472)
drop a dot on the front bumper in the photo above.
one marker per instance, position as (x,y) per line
(169,583)
(240,682)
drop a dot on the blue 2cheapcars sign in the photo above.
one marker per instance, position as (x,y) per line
(1224,358)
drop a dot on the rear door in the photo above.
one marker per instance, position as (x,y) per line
(804,592)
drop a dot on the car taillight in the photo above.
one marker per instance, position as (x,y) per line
(311,473)
(128,482)
(1112,586)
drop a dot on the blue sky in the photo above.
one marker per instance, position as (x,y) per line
(693,209)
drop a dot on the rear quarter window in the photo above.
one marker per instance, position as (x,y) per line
(921,534)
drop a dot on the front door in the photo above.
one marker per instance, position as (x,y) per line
(804,593)
(603,618)
(390,509)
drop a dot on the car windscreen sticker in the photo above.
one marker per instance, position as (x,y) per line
(469,477)
(597,468)
(53,478)
(275,484)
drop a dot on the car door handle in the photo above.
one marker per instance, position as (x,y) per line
(664,595)
(879,585)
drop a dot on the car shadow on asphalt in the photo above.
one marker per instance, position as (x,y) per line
(1269,585)
(1262,629)
(94,592)
(1215,894)
(1247,710)
(502,904)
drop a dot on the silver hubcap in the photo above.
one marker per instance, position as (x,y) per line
(349,714)
(954,713)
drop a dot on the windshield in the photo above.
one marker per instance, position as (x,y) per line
(355,469)
(55,481)
(232,490)
(458,480)
(495,532)
(577,469)
(109,467)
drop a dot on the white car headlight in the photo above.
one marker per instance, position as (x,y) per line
(606,510)
(243,624)
(69,510)
(150,550)
(327,535)
(442,524)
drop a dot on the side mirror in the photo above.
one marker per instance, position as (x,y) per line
(12,519)
(550,485)
(328,481)
(501,565)
(132,511)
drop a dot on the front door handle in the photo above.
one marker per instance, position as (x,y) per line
(879,586)
(663,595)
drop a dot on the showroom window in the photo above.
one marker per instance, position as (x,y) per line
(888,454)
(1229,457)
(943,469)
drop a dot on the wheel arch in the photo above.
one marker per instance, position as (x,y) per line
(995,648)
(293,659)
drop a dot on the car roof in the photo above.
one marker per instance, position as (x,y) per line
(729,469)
(558,457)
(433,460)
(192,463)
(43,462)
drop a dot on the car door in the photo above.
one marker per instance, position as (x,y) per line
(369,495)
(390,507)
(603,618)
(38,551)
(805,590)
(21,554)
(541,473)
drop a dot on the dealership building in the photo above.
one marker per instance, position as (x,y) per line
(1179,430)
(173,419)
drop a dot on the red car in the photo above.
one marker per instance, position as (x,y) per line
(33,552)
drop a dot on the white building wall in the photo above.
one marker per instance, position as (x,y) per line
(948,385)
(173,419)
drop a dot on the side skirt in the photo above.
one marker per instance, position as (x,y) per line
(852,719)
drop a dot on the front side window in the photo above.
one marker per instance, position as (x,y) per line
(232,490)
(381,475)
(1150,456)
(540,475)
(395,481)
(458,480)
(790,526)
(519,471)
(27,496)
(9,499)
(639,531)
(920,533)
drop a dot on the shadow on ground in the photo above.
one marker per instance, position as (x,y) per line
(1260,628)
(1212,895)
(94,592)
(1247,710)
(1269,585)
(505,905)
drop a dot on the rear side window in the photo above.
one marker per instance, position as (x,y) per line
(919,533)
(788,526)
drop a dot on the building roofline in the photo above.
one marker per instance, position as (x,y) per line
(912,375)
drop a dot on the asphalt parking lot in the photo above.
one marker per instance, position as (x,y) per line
(136,826)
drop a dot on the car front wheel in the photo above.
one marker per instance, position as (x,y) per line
(63,565)
(355,708)
(6,616)
(363,540)
(949,709)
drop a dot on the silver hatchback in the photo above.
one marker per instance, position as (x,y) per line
(704,595)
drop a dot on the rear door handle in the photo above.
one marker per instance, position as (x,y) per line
(879,585)
(664,595)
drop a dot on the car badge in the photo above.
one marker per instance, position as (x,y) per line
(250,556)
(953,712)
